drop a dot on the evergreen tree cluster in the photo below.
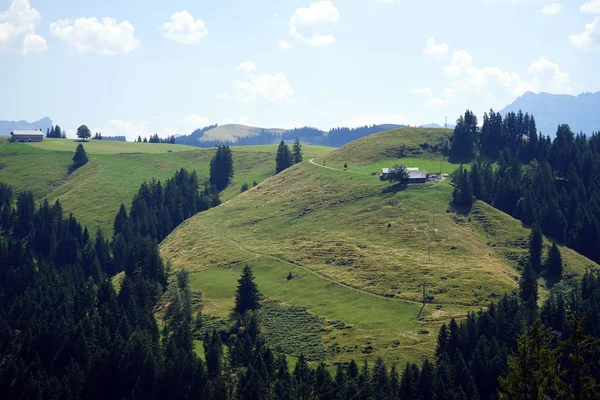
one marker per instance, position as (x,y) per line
(56,133)
(555,183)
(157,209)
(286,158)
(97,136)
(221,168)
(156,139)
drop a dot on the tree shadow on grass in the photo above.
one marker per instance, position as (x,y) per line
(398,187)
(461,209)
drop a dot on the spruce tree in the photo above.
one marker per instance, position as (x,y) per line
(535,248)
(80,158)
(247,296)
(533,371)
(554,264)
(221,168)
(283,159)
(297,152)
(528,289)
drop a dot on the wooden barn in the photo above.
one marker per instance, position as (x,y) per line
(27,136)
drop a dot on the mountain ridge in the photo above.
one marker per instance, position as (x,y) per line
(551,110)
(6,127)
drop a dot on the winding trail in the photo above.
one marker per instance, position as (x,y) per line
(257,255)
(312,161)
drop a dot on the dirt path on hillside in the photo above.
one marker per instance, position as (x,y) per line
(312,161)
(258,255)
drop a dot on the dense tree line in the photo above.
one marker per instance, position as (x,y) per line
(56,133)
(156,139)
(555,183)
(115,138)
(155,211)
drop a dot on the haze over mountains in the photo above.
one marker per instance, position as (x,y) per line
(6,127)
(551,110)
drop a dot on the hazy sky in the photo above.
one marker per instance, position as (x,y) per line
(142,66)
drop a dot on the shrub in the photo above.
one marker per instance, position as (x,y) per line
(244,187)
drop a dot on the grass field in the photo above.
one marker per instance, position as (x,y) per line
(363,251)
(385,146)
(117,169)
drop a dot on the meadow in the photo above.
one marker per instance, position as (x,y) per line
(351,233)
(117,169)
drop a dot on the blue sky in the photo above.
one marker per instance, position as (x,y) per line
(139,67)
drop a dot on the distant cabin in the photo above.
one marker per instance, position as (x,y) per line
(415,175)
(27,136)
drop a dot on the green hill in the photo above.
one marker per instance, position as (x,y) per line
(359,253)
(386,146)
(116,170)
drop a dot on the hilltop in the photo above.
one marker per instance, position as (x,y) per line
(359,252)
(550,110)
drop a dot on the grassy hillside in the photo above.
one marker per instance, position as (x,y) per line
(359,252)
(117,169)
(384,146)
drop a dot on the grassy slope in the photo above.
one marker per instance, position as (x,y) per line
(331,230)
(117,169)
(383,146)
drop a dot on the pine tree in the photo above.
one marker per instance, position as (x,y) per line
(297,152)
(535,248)
(221,168)
(554,264)
(247,296)
(283,160)
(533,371)
(80,158)
(528,288)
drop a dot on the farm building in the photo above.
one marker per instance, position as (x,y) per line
(27,136)
(415,175)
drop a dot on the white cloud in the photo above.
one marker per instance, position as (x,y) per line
(461,61)
(284,45)
(308,24)
(551,9)
(548,75)
(105,36)
(435,102)
(491,84)
(421,92)
(435,50)
(258,86)
(589,39)
(17,28)
(592,7)
(247,67)
(375,119)
(183,28)
(131,130)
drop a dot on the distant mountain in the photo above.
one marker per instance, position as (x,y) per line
(437,126)
(6,127)
(551,110)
